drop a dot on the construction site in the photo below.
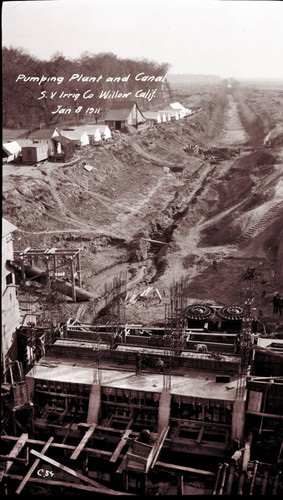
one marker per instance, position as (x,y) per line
(147,353)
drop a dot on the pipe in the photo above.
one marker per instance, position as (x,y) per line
(254,476)
(217,479)
(230,480)
(67,289)
(264,482)
(40,276)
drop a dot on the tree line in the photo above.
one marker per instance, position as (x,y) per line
(23,107)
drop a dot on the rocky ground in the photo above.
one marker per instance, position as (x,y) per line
(144,186)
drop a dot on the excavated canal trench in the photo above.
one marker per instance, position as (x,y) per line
(182,219)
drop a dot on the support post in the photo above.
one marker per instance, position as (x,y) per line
(180,484)
(230,480)
(73,280)
(23,274)
(79,271)
(47,273)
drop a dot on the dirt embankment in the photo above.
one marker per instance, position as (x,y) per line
(146,187)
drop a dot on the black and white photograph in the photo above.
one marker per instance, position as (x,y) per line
(142,248)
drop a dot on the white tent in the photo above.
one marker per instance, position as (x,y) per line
(176,106)
(76,134)
(152,116)
(11,151)
(104,130)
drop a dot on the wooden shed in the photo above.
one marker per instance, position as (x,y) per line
(35,152)
(44,136)
(124,113)
(64,149)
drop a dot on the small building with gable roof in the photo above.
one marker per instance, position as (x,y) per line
(122,114)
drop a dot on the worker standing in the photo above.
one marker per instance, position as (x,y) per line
(160,365)
(138,363)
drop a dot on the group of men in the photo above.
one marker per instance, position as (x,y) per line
(277,303)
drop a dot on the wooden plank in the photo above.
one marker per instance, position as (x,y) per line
(120,445)
(122,465)
(262,414)
(7,458)
(91,451)
(64,484)
(83,442)
(68,470)
(153,456)
(33,467)
(200,435)
(16,449)
(255,399)
(174,467)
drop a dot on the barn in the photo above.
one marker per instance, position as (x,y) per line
(122,114)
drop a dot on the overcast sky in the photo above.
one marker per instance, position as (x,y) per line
(240,39)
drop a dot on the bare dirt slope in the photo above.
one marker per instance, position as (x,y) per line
(146,187)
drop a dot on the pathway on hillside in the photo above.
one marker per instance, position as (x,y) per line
(234,133)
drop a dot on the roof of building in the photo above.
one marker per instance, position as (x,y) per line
(35,145)
(178,107)
(73,133)
(12,147)
(120,111)
(151,114)
(43,133)
(171,112)
(24,142)
(7,227)
(61,138)
(97,126)
(11,134)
